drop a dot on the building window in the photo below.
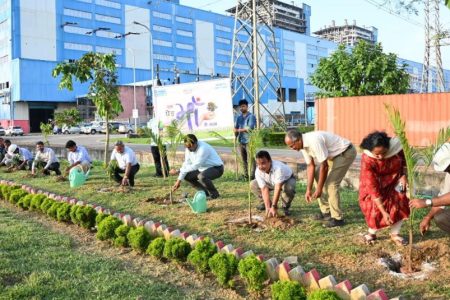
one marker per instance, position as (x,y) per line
(79,47)
(163,57)
(107,19)
(313,57)
(183,20)
(85,1)
(185,33)
(223,64)
(223,52)
(289,73)
(162,29)
(107,34)
(223,40)
(292,95)
(281,95)
(241,66)
(77,13)
(223,28)
(108,3)
(289,52)
(161,15)
(108,50)
(162,43)
(76,30)
(183,59)
(184,46)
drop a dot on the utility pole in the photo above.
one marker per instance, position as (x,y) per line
(437,48)
(424,86)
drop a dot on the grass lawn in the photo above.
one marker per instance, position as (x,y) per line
(337,251)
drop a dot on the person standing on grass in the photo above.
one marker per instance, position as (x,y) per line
(439,211)
(273,175)
(156,126)
(45,158)
(382,187)
(77,156)
(201,166)
(324,149)
(245,122)
(25,158)
(127,164)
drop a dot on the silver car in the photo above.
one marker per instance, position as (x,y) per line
(71,130)
(14,130)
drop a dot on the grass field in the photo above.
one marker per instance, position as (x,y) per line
(337,251)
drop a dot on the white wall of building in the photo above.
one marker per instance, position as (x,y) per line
(21,111)
(204,45)
(139,45)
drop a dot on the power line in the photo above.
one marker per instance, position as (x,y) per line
(393,13)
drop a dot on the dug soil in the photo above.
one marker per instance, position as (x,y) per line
(259,223)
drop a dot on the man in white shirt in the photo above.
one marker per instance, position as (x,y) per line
(45,158)
(324,149)
(201,166)
(156,127)
(25,158)
(439,211)
(127,164)
(273,175)
(77,156)
(7,158)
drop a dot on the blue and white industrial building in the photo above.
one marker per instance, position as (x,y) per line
(36,35)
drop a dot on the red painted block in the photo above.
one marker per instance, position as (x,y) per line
(283,270)
(220,245)
(184,235)
(238,252)
(260,257)
(378,295)
(311,279)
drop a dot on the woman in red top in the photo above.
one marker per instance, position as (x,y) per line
(382,196)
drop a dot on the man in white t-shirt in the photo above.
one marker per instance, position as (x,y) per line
(439,211)
(324,149)
(273,175)
(127,164)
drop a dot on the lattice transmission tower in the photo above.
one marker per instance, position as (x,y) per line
(424,84)
(255,68)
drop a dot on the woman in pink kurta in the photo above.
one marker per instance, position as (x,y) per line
(382,196)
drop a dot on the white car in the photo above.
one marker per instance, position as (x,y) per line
(14,130)
(125,128)
(71,130)
(91,128)
(2,131)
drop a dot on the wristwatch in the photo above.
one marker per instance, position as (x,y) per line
(429,202)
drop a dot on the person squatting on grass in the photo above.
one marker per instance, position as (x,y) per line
(245,121)
(273,175)
(127,164)
(6,157)
(201,166)
(382,186)
(45,158)
(77,156)
(24,158)
(439,211)
(325,149)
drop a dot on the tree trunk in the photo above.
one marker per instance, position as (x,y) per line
(105,158)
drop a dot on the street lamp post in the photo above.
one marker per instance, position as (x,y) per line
(151,46)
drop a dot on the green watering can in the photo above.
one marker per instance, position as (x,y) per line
(77,177)
(198,204)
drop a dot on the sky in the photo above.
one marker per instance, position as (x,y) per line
(395,34)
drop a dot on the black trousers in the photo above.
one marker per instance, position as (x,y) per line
(203,180)
(133,171)
(245,158)
(53,167)
(157,160)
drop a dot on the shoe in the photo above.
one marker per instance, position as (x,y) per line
(215,196)
(261,207)
(334,223)
(322,217)
(286,211)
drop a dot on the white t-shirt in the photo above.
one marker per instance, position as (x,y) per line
(279,173)
(127,157)
(78,155)
(322,145)
(204,157)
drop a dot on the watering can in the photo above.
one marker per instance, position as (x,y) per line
(198,204)
(77,177)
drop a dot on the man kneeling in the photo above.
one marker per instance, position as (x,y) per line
(273,175)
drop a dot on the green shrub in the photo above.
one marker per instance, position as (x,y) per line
(224,267)
(139,238)
(63,212)
(305,128)
(85,216)
(253,272)
(107,227)
(16,195)
(202,252)
(73,213)
(156,247)
(37,201)
(24,202)
(53,210)
(100,217)
(46,204)
(323,295)
(287,290)
(121,239)
(177,249)
(7,189)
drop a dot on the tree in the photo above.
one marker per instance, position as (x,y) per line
(46,130)
(100,70)
(68,117)
(364,71)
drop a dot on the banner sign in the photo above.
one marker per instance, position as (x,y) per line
(204,105)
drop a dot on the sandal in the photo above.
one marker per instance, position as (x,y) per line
(398,240)
(369,238)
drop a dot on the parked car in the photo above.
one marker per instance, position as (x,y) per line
(71,130)
(112,126)
(125,128)
(14,130)
(91,128)
(2,131)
